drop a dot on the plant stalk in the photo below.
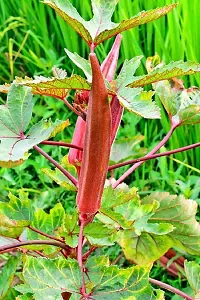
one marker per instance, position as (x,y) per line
(170,288)
(57,165)
(45,234)
(5,248)
(153,156)
(61,144)
(153,151)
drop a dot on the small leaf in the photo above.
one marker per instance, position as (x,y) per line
(99,234)
(19,210)
(48,223)
(8,227)
(182,105)
(59,128)
(192,271)
(7,275)
(70,229)
(82,63)
(126,148)
(59,73)
(134,99)
(140,102)
(59,177)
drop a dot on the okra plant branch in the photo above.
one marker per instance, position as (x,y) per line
(170,288)
(71,107)
(57,165)
(135,166)
(5,248)
(61,144)
(45,234)
(153,156)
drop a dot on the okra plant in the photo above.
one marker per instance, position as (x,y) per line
(55,255)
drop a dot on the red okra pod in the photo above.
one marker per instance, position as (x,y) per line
(97,145)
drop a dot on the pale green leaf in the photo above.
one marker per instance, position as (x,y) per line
(49,278)
(70,15)
(59,73)
(82,63)
(139,102)
(182,105)
(18,209)
(57,176)
(7,275)
(70,229)
(14,119)
(134,99)
(127,72)
(127,148)
(8,227)
(179,212)
(192,271)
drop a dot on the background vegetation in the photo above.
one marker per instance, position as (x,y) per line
(33,39)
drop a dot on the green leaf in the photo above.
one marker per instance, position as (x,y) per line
(134,99)
(100,27)
(49,278)
(48,223)
(182,105)
(173,69)
(141,18)
(192,271)
(8,227)
(179,212)
(59,73)
(59,177)
(70,229)
(127,72)
(136,247)
(14,119)
(19,210)
(109,281)
(127,148)
(55,87)
(122,209)
(139,102)
(7,275)
(70,15)
(99,234)
(82,63)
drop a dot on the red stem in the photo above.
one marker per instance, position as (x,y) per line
(62,144)
(57,165)
(133,161)
(135,166)
(71,107)
(45,234)
(5,248)
(170,288)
